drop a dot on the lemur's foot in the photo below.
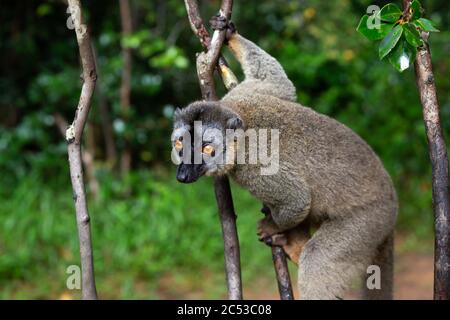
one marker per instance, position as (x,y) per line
(219,22)
(269,232)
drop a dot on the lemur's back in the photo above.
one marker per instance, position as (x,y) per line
(341,170)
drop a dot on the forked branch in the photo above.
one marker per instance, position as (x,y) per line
(206,63)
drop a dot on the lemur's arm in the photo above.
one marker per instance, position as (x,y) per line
(263,70)
(263,73)
(256,63)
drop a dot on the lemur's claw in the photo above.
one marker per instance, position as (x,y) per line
(218,22)
(278,239)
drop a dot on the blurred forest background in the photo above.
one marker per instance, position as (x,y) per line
(154,238)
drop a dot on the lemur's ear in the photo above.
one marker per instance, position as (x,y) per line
(177,112)
(235,123)
(189,114)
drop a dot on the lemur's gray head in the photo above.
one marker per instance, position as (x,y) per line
(199,140)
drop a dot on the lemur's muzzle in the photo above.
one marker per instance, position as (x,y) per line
(187,173)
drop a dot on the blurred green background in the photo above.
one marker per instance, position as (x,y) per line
(154,238)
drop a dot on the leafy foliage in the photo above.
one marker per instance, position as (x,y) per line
(402,26)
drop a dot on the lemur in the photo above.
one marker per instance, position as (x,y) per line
(329,180)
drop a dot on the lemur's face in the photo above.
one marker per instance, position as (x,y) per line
(199,141)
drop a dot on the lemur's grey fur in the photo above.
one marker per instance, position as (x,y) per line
(329,178)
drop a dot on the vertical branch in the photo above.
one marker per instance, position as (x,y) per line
(88,156)
(206,63)
(439,164)
(282,273)
(125,88)
(230,237)
(281,267)
(73,136)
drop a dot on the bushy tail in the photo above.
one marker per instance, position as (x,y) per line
(384,258)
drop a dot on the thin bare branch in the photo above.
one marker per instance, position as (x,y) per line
(199,29)
(439,164)
(206,62)
(281,267)
(87,154)
(282,273)
(73,137)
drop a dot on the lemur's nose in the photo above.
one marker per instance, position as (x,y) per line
(182,174)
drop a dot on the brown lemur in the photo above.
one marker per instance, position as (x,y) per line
(328,178)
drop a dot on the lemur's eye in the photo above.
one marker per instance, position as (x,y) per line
(178,144)
(209,150)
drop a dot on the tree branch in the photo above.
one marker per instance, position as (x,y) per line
(197,26)
(73,137)
(282,273)
(439,163)
(206,62)
(281,268)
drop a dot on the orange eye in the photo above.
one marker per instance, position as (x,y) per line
(209,150)
(178,145)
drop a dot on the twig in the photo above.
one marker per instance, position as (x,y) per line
(282,273)
(439,164)
(73,137)
(197,26)
(206,63)
(281,267)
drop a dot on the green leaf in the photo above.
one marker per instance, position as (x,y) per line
(370,31)
(390,13)
(389,42)
(417,10)
(412,35)
(402,57)
(425,25)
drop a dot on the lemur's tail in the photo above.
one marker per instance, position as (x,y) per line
(385,260)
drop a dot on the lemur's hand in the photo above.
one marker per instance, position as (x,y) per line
(269,232)
(218,22)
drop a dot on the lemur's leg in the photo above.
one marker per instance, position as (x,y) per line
(338,253)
